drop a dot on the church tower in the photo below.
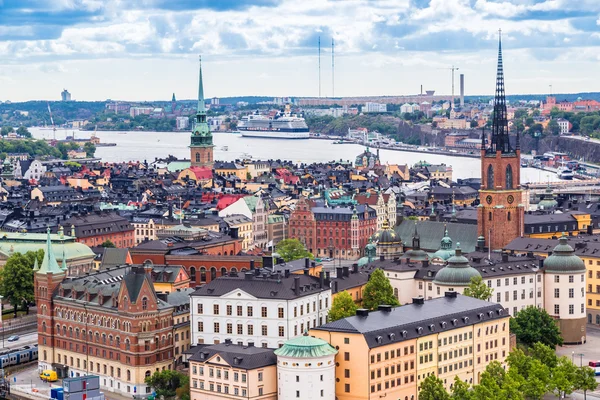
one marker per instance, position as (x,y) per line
(201,146)
(500,216)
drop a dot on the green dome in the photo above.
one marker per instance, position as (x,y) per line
(305,347)
(458,272)
(445,251)
(386,235)
(416,255)
(547,202)
(563,259)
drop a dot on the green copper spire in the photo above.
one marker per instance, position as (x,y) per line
(201,136)
(49,264)
(36,266)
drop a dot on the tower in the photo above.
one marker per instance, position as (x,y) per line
(201,146)
(500,215)
(47,278)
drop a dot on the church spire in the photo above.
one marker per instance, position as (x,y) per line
(500,140)
(201,105)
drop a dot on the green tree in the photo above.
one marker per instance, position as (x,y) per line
(16,280)
(564,377)
(167,382)
(545,354)
(89,148)
(248,176)
(378,291)
(478,289)
(538,381)
(553,128)
(6,130)
(532,325)
(461,390)
(432,388)
(292,249)
(474,123)
(23,132)
(343,306)
(585,379)
(108,244)
(529,121)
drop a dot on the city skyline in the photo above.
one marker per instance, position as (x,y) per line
(148,49)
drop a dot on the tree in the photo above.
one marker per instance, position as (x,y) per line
(23,132)
(460,390)
(545,354)
(378,291)
(478,289)
(432,388)
(532,325)
(538,381)
(343,306)
(292,249)
(474,123)
(563,377)
(108,244)
(167,382)
(16,280)
(553,127)
(585,379)
(89,148)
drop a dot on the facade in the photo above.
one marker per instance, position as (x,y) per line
(243,225)
(370,107)
(226,371)
(110,323)
(388,352)
(384,205)
(306,369)
(95,229)
(252,207)
(500,216)
(564,125)
(65,95)
(258,307)
(29,169)
(201,146)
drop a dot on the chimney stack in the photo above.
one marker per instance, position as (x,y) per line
(296,285)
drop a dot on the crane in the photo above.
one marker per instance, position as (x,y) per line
(452,68)
(51,120)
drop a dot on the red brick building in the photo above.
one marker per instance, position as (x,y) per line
(204,268)
(96,228)
(340,232)
(501,214)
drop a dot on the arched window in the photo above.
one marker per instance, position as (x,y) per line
(509,177)
(213,273)
(202,274)
(598,319)
(197,157)
(193,274)
(147,374)
(396,292)
(224,271)
(128,375)
(490,177)
(145,303)
(508,216)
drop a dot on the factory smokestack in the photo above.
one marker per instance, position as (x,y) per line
(462,90)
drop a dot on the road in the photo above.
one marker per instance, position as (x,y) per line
(24,339)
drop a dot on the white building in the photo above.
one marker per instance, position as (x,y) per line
(306,369)
(182,123)
(258,308)
(564,125)
(252,207)
(135,111)
(29,169)
(370,107)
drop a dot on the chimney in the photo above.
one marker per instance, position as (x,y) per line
(355,268)
(251,265)
(321,279)
(339,272)
(248,276)
(450,295)
(418,300)
(382,258)
(286,273)
(335,286)
(296,285)
(234,232)
(280,260)
(346,271)
(267,262)
(425,263)
(256,272)
(462,90)
(362,312)
(327,278)
(227,341)
(306,262)
(504,257)
(306,271)
(384,308)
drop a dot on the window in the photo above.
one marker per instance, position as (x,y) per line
(239,311)
(509,177)
(571,309)
(264,330)
(216,327)
(571,293)
(347,388)
(490,177)
(260,376)
(249,311)
(556,293)
(346,356)
(216,309)
(250,330)
(200,326)
(263,312)
(556,309)
(571,279)
(145,303)
(229,309)
(556,278)
(281,331)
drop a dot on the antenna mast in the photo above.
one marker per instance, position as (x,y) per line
(332,71)
(319,66)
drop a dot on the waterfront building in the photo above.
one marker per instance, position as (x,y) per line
(500,216)
(259,307)
(110,323)
(224,371)
(392,350)
(201,145)
(371,107)
(306,369)
(367,159)
(182,123)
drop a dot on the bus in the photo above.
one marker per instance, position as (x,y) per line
(595,365)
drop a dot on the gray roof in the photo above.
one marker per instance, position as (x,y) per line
(270,287)
(381,328)
(432,232)
(241,357)
(112,257)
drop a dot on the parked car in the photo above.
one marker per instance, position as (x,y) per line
(13,338)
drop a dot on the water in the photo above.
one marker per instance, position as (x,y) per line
(139,146)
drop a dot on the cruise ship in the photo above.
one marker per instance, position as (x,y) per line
(281,126)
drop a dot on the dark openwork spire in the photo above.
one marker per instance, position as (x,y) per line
(500,140)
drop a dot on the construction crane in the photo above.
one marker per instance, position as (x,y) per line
(52,120)
(452,68)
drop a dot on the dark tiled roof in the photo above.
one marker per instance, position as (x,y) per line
(270,287)
(242,357)
(411,321)
(432,232)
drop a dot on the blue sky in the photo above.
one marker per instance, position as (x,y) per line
(147,49)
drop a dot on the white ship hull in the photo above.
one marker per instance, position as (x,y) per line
(275,134)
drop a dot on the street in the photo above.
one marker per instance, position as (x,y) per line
(24,339)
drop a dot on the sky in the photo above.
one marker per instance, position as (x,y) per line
(147,49)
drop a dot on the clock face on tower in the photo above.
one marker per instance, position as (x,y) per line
(510,199)
(488,199)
